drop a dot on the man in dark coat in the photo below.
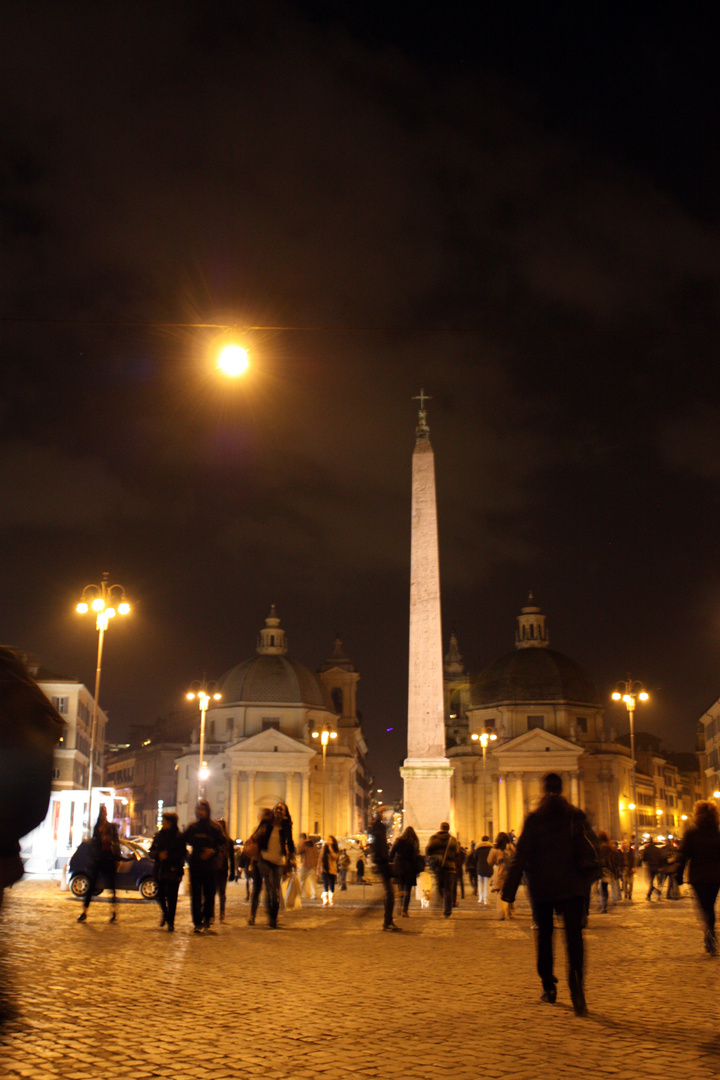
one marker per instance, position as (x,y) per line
(169,852)
(206,841)
(442,850)
(548,854)
(381,862)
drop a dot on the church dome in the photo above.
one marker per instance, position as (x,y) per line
(533,672)
(270,676)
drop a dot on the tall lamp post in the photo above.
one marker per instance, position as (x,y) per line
(630,690)
(484,738)
(325,734)
(106,601)
(204,692)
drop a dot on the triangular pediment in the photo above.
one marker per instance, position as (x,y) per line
(271,741)
(537,741)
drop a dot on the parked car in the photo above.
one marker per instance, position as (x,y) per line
(134,871)
(145,842)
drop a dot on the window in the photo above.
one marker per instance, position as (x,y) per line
(61,704)
(337,700)
(56,774)
(581,722)
(536,722)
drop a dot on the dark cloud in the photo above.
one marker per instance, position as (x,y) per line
(295,166)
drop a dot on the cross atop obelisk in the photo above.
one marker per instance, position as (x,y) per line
(426,771)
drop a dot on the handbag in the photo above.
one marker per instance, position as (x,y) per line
(251,849)
(293,894)
(585,856)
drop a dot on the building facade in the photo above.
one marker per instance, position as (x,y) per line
(540,713)
(265,744)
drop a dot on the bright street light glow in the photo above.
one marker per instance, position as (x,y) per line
(98,603)
(234,360)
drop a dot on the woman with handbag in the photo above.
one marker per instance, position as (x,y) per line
(328,863)
(251,854)
(499,859)
(276,856)
(405,859)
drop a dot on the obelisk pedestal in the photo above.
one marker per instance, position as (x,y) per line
(426,773)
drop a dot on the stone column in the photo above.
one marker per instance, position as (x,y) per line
(426,772)
(252,816)
(519,808)
(574,789)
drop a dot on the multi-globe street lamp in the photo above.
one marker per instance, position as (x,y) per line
(324,734)
(105,601)
(631,690)
(484,737)
(204,692)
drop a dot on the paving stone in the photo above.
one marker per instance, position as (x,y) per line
(331,994)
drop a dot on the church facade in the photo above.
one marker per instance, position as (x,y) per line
(264,743)
(537,711)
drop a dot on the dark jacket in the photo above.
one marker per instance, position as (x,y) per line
(481,859)
(443,847)
(171,842)
(701,847)
(263,832)
(404,857)
(652,857)
(379,848)
(547,853)
(204,836)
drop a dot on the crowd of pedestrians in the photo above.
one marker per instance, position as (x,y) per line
(557,857)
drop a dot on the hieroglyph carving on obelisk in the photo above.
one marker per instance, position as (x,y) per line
(426,772)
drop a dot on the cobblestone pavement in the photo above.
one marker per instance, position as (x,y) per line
(329,994)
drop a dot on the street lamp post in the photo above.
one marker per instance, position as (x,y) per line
(484,738)
(205,692)
(106,601)
(325,734)
(630,690)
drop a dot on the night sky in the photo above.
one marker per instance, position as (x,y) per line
(515,210)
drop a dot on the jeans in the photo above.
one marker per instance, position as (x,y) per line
(167,899)
(573,912)
(707,895)
(329,883)
(105,866)
(202,896)
(272,876)
(306,873)
(446,886)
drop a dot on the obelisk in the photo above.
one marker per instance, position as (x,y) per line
(426,772)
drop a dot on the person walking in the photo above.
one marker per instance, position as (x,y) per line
(458,879)
(251,853)
(276,856)
(404,859)
(308,856)
(701,848)
(628,870)
(105,850)
(206,840)
(484,872)
(329,867)
(169,852)
(653,859)
(471,867)
(442,850)
(499,860)
(224,866)
(360,870)
(343,867)
(550,853)
(381,862)
(607,862)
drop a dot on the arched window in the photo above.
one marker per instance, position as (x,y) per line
(337,700)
